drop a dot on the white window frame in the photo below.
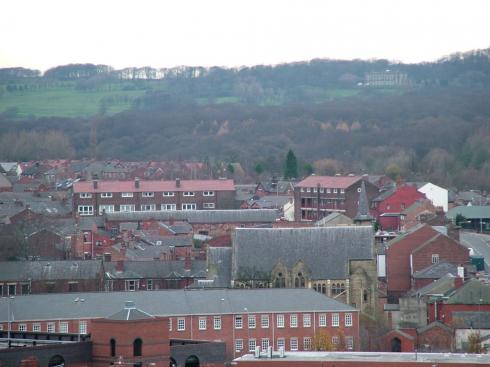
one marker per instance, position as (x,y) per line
(264,321)
(334,191)
(107,208)
(181,324)
(435,258)
(349,342)
(202,323)
(342,191)
(217,323)
(307,343)
(252,344)
(189,206)
(51,327)
(322,320)
(281,342)
(238,345)
(147,207)
(252,321)
(106,195)
(293,344)
(126,194)
(169,324)
(264,343)
(306,320)
(335,320)
(238,321)
(293,320)
(322,190)
(36,327)
(148,194)
(335,340)
(348,319)
(82,327)
(308,189)
(208,193)
(63,327)
(209,205)
(168,193)
(328,190)
(188,193)
(132,285)
(85,210)
(149,285)
(168,207)
(22,327)
(85,195)
(280,321)
(127,208)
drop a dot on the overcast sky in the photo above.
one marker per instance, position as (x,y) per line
(164,33)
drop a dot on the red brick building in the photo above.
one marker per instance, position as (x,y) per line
(416,250)
(317,196)
(388,207)
(93,198)
(242,319)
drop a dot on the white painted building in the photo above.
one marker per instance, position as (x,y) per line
(438,195)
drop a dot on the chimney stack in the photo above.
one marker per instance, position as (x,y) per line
(177,182)
(137,183)
(120,265)
(96,184)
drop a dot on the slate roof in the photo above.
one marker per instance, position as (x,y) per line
(469,212)
(219,266)
(172,303)
(12,203)
(436,271)
(339,182)
(270,201)
(245,192)
(471,293)
(385,194)
(334,217)
(49,270)
(155,269)
(325,251)
(363,207)
(4,182)
(153,238)
(130,313)
(201,216)
(440,286)
(154,186)
(471,320)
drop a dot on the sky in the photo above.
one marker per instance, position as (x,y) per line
(164,33)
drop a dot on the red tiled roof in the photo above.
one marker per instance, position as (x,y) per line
(334,182)
(154,186)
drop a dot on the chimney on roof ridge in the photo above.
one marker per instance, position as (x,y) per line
(177,182)
(96,184)
(137,182)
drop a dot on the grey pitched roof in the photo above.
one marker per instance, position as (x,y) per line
(440,286)
(469,212)
(219,266)
(155,239)
(201,216)
(271,201)
(385,194)
(436,271)
(4,182)
(129,313)
(325,251)
(334,218)
(471,319)
(155,269)
(244,192)
(49,270)
(12,203)
(471,293)
(172,303)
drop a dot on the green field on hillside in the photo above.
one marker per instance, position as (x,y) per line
(66,101)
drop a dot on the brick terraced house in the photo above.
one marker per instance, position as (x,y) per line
(317,196)
(243,319)
(93,198)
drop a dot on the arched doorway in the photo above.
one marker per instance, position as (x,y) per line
(138,347)
(192,361)
(396,345)
(56,361)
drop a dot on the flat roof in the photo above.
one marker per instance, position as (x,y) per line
(460,358)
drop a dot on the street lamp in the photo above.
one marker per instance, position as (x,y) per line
(78,301)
